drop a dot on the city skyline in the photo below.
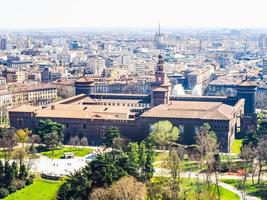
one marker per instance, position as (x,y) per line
(32,14)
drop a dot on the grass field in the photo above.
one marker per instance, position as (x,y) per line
(190,186)
(253,190)
(236,146)
(40,190)
(58,153)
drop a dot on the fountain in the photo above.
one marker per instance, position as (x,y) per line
(197,91)
(178,90)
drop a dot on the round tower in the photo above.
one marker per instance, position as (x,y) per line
(247,90)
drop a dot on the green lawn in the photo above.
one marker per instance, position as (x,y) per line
(253,190)
(236,146)
(40,190)
(189,185)
(58,153)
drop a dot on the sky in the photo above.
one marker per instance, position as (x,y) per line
(133,13)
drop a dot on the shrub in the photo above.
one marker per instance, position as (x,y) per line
(19,184)
(3,193)
(32,176)
(12,189)
(28,181)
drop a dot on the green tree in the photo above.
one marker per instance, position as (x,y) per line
(109,135)
(52,140)
(15,168)
(149,169)
(105,169)
(163,134)
(9,175)
(46,127)
(142,158)
(251,139)
(76,187)
(23,173)
(133,156)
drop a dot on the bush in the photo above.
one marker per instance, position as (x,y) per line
(32,176)
(3,193)
(28,181)
(19,184)
(12,189)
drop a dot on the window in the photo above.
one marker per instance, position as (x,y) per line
(84,126)
(67,125)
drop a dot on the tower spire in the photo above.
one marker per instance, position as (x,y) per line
(159,28)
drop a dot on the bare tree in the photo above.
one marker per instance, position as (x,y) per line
(175,162)
(77,141)
(71,141)
(125,188)
(84,141)
(208,147)
(248,155)
(261,156)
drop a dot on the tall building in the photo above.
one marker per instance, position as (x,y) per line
(262,42)
(264,66)
(73,45)
(3,44)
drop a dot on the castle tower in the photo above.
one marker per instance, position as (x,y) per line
(161,95)
(247,91)
(160,75)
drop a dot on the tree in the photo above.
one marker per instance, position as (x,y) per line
(76,141)
(7,141)
(109,135)
(206,141)
(15,168)
(174,164)
(248,155)
(9,175)
(125,188)
(20,154)
(149,169)
(77,186)
(46,127)
(23,173)
(22,136)
(142,158)
(84,142)
(52,141)
(261,156)
(133,155)
(71,141)
(251,139)
(163,134)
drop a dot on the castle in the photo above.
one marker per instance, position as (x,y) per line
(90,114)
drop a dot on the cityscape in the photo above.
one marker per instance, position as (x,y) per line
(97,105)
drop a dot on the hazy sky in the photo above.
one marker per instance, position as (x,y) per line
(133,13)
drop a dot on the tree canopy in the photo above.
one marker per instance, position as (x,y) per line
(48,126)
(109,135)
(163,134)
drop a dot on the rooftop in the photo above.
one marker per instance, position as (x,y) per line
(193,110)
